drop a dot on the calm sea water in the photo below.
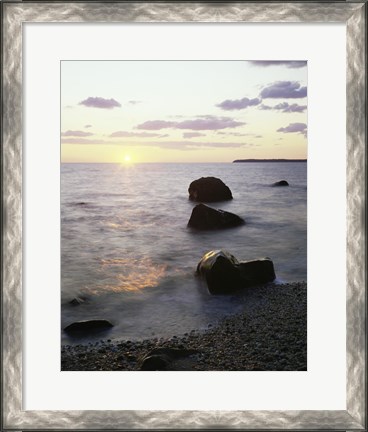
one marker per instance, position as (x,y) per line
(126,247)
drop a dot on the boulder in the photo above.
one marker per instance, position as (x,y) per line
(161,358)
(209,189)
(207,218)
(281,183)
(88,326)
(224,274)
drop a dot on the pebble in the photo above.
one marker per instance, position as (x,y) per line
(270,334)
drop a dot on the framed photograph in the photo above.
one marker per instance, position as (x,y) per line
(183,215)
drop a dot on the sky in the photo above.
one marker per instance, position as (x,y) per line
(183,111)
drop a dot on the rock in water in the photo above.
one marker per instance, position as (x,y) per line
(281,183)
(209,189)
(207,218)
(88,326)
(224,274)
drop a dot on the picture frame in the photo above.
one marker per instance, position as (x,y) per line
(354,16)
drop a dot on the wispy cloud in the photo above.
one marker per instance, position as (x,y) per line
(156,125)
(289,64)
(177,145)
(134,102)
(284,90)
(286,108)
(83,141)
(99,102)
(238,104)
(71,133)
(88,126)
(192,134)
(126,134)
(208,122)
(294,128)
(193,145)
(264,107)
(238,134)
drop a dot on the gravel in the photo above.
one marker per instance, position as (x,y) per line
(270,334)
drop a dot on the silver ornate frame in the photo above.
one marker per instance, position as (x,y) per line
(354,15)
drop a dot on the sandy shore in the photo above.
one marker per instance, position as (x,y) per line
(270,334)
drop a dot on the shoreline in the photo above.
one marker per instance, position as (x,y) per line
(270,334)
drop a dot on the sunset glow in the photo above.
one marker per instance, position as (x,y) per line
(183,111)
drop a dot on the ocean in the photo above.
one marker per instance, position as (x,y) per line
(126,248)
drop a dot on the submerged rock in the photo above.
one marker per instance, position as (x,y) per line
(224,274)
(88,326)
(209,189)
(207,218)
(281,183)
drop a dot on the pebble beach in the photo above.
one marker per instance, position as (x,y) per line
(270,334)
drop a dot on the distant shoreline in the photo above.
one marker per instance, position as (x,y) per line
(269,160)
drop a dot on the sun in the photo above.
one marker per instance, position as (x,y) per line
(127,158)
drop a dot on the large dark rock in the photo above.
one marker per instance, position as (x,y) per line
(88,326)
(209,189)
(160,358)
(224,274)
(281,183)
(207,218)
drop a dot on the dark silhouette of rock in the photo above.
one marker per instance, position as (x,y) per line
(224,274)
(88,326)
(155,362)
(209,189)
(77,301)
(281,183)
(160,358)
(207,218)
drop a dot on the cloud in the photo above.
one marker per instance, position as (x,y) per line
(286,108)
(289,64)
(70,133)
(174,145)
(125,134)
(238,104)
(83,141)
(209,123)
(202,123)
(88,126)
(192,134)
(284,89)
(99,102)
(134,102)
(265,107)
(156,125)
(194,145)
(294,128)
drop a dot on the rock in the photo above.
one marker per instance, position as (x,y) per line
(160,358)
(224,274)
(207,218)
(88,326)
(155,362)
(209,189)
(281,183)
(77,301)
